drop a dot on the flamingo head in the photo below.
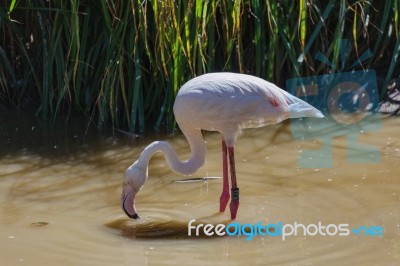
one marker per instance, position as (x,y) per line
(135,176)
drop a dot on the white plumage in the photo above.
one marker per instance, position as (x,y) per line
(224,102)
(229,102)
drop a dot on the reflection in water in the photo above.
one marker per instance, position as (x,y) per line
(64,209)
(156,227)
(151,229)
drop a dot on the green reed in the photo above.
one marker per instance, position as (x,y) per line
(121,63)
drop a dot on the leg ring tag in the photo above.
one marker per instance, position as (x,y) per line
(235,194)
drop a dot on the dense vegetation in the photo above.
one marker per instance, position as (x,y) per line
(121,63)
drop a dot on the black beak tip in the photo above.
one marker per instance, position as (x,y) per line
(133,216)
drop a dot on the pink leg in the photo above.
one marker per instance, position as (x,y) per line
(234,206)
(223,200)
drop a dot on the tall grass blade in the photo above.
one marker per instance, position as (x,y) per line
(303,22)
(121,63)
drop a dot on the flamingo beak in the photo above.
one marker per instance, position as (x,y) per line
(128,202)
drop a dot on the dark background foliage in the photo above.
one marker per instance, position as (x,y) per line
(121,63)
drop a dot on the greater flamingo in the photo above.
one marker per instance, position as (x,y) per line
(224,102)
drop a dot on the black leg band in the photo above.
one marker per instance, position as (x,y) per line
(235,194)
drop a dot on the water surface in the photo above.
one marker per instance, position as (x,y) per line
(63,209)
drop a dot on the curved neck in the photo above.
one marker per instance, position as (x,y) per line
(196,160)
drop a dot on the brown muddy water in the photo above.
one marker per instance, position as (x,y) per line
(62,207)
